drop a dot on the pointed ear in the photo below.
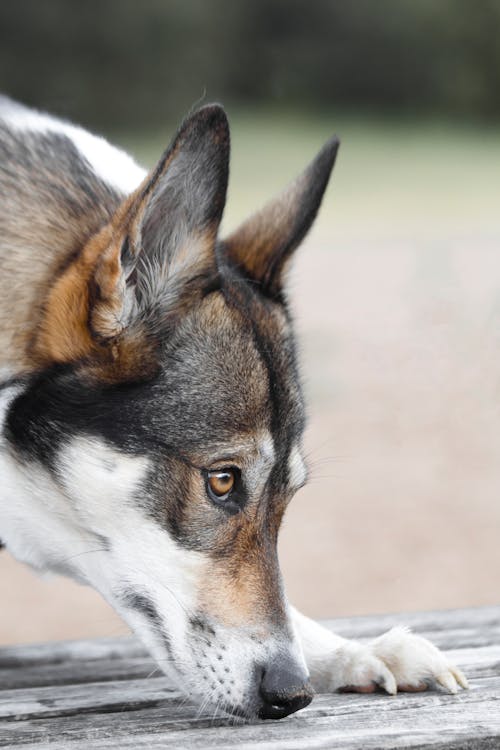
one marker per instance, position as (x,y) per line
(159,239)
(177,213)
(263,244)
(172,222)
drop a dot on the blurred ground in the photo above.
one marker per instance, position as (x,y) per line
(396,295)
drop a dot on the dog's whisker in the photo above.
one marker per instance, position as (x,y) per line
(64,560)
(203,705)
(325,459)
(320,477)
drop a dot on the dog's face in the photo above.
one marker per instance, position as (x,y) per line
(162,438)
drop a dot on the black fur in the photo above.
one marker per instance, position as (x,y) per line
(224,342)
(196,401)
(141,603)
(193,365)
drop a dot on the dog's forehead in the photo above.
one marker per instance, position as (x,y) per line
(230,370)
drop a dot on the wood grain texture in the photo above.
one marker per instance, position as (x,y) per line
(109,694)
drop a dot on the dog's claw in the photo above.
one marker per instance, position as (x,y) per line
(460,677)
(388,682)
(447,681)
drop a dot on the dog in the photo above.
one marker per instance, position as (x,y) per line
(151,410)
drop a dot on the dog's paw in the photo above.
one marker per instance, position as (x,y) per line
(397,660)
(415,662)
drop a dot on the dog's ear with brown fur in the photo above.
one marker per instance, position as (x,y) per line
(262,245)
(172,223)
(104,304)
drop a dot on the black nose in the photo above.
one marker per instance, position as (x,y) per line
(284,688)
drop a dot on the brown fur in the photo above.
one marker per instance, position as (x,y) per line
(262,245)
(189,346)
(71,300)
(244,587)
(51,204)
(33,247)
(79,316)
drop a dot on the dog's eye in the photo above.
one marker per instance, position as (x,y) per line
(224,487)
(220,483)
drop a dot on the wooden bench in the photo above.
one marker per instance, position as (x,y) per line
(108,694)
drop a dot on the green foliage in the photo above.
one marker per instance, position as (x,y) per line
(137,61)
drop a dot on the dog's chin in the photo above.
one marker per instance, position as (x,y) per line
(194,686)
(239,710)
(216,675)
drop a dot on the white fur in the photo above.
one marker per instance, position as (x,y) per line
(51,526)
(101,481)
(110,163)
(266,448)
(296,468)
(397,659)
(145,559)
(91,524)
(258,459)
(36,520)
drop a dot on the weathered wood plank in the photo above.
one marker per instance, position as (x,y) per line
(103,700)
(454,628)
(68,674)
(59,652)
(51,701)
(70,662)
(367,722)
(100,697)
(476,622)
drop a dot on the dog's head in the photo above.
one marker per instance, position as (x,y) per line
(168,417)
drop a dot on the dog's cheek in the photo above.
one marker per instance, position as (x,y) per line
(179,503)
(101,482)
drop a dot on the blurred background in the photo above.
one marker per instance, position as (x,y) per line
(396,291)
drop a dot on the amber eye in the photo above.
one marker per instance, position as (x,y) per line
(220,483)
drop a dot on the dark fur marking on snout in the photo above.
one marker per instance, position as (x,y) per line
(104,541)
(142,603)
(198,623)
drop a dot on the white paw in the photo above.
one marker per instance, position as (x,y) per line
(415,662)
(397,660)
